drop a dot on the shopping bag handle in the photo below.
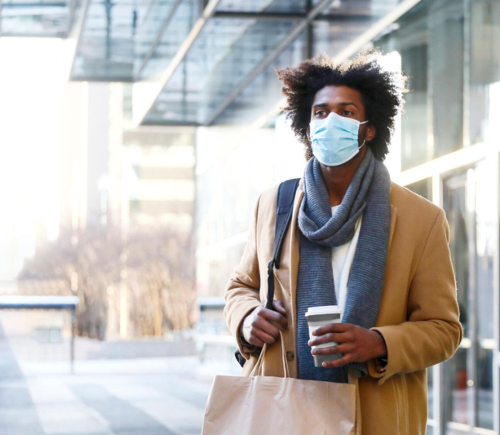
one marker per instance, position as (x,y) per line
(258,365)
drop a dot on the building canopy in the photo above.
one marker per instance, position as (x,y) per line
(198,62)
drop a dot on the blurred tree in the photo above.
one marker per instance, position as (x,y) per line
(159,276)
(161,280)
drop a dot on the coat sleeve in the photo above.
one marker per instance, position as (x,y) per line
(432,332)
(242,293)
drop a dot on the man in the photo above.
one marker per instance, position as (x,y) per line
(356,240)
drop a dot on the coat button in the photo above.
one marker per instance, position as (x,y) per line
(290,355)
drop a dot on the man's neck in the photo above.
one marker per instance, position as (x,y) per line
(338,178)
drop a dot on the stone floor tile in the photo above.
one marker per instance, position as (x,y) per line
(19,421)
(71,418)
(120,415)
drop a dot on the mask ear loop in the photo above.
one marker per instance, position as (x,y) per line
(364,122)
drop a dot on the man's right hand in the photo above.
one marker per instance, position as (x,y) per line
(263,325)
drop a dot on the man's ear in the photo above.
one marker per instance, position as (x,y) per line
(371,132)
(308,131)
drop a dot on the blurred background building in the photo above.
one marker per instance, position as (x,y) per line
(171,127)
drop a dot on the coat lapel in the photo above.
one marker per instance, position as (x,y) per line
(294,253)
(393,223)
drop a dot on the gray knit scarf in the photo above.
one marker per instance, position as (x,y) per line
(368,194)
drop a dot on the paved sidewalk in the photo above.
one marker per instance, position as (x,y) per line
(154,396)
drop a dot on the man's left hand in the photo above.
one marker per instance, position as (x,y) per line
(357,344)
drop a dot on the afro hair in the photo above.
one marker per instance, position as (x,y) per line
(381,91)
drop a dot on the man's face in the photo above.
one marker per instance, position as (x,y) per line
(344,101)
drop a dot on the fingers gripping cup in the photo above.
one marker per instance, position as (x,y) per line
(322,316)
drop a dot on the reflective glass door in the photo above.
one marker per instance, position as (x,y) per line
(467,378)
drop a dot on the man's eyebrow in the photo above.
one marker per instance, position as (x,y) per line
(348,103)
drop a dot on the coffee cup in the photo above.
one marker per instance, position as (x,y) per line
(321,316)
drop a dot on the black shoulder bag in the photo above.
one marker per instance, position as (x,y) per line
(284,210)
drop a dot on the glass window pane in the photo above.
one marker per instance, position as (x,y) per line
(454,372)
(484,106)
(430,40)
(415,147)
(422,188)
(410,38)
(468,376)
(430,393)
(484,398)
(485,245)
(446,49)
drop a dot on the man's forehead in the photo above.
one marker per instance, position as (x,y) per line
(339,95)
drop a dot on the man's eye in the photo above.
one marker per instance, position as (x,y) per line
(320,113)
(346,113)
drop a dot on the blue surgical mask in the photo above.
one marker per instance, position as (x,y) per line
(334,139)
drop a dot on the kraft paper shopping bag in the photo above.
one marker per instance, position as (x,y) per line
(260,405)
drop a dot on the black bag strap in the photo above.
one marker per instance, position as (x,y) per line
(284,211)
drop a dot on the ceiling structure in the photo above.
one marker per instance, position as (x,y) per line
(53,18)
(198,62)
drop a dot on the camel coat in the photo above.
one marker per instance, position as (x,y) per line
(418,316)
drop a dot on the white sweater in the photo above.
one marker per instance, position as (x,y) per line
(342,258)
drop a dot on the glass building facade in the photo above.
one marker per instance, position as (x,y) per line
(446,150)
(449,154)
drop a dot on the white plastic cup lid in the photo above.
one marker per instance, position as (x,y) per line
(326,309)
